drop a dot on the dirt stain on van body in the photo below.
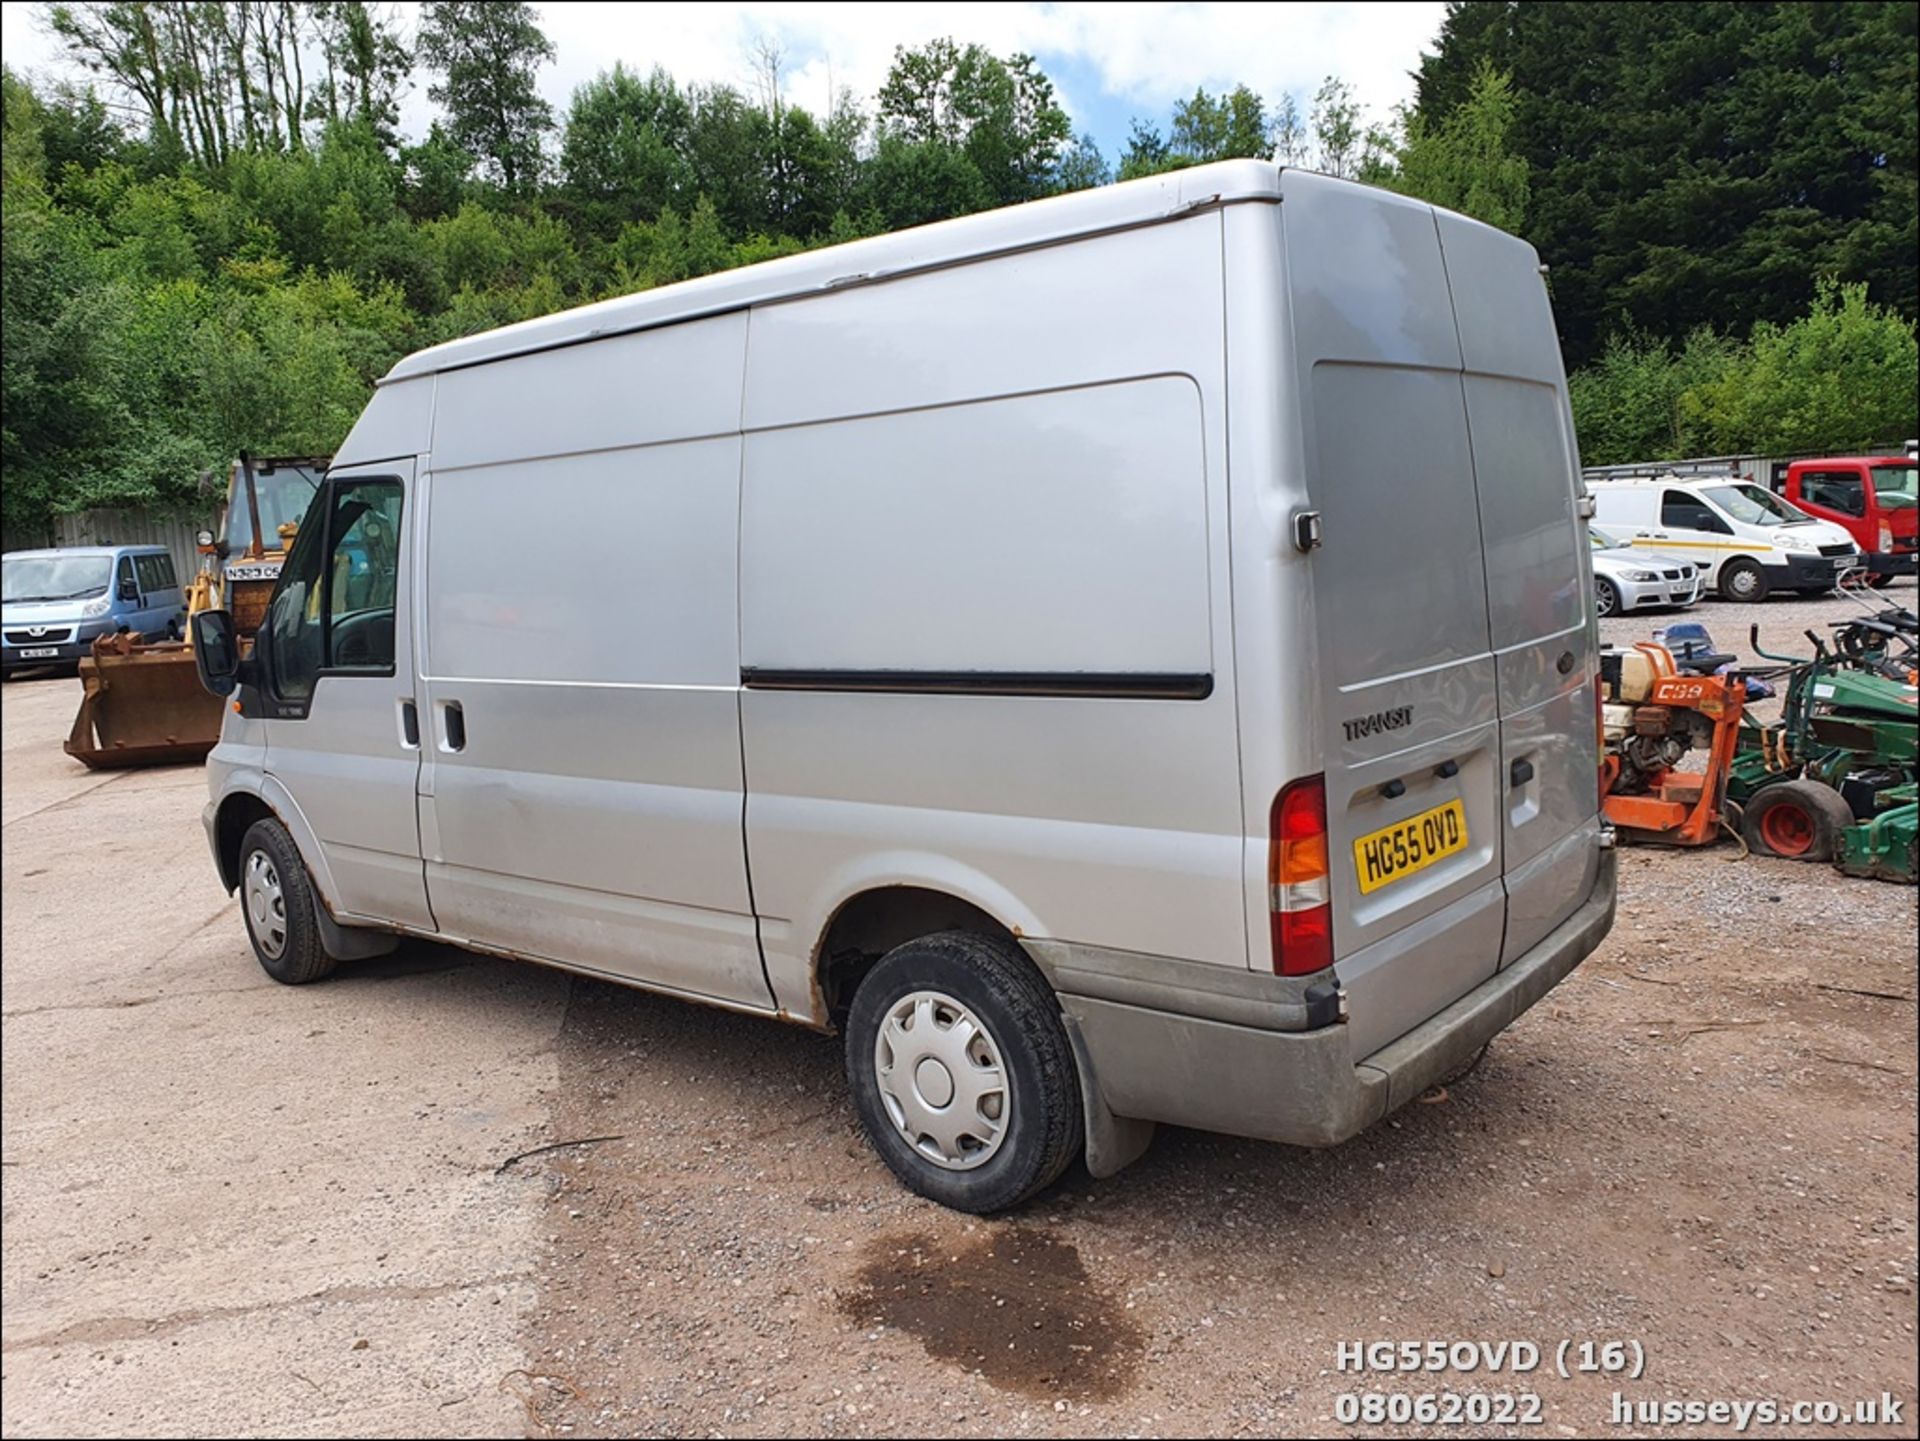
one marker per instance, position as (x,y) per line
(1012,1303)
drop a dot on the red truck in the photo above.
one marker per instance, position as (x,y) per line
(1871,497)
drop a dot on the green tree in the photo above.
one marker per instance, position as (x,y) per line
(914,182)
(1466,162)
(1002,115)
(486,54)
(624,152)
(1234,125)
(366,65)
(1083,167)
(1703,161)
(1633,403)
(1844,375)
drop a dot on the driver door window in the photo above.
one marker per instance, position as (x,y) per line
(333,610)
(1680,511)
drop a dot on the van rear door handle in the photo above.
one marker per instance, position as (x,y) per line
(453,726)
(1522,772)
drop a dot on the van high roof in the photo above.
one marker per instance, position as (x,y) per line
(860,262)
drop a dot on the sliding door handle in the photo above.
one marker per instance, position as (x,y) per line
(409,724)
(453,726)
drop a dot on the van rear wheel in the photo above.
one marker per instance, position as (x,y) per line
(277,899)
(962,1072)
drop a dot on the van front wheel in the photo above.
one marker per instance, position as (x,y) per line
(962,1072)
(277,899)
(1743,580)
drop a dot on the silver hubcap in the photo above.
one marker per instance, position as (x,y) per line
(266,905)
(1744,582)
(942,1080)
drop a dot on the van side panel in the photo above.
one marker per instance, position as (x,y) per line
(581,563)
(1009,469)
(1087,508)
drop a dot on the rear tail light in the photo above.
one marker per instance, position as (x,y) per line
(1298,885)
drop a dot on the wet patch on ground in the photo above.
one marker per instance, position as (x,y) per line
(1014,1304)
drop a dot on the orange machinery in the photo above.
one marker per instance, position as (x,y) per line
(1652,716)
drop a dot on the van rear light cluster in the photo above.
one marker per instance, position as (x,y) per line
(1298,885)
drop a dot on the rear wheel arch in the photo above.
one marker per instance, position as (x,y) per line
(870,923)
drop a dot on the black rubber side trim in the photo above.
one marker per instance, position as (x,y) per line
(1110,685)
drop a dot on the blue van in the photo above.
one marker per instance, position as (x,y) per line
(54,602)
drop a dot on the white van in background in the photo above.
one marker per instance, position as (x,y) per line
(1744,541)
(1035,659)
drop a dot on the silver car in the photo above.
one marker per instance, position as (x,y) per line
(1625,579)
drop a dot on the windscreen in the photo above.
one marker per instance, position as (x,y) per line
(55,577)
(1751,505)
(1894,485)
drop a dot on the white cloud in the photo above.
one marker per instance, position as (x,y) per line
(1141,56)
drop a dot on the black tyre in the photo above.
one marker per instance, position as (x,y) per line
(1742,580)
(962,1072)
(277,899)
(1606,597)
(1799,820)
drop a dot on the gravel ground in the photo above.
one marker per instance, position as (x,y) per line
(1704,1142)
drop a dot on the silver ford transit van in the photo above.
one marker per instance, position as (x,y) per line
(1122,659)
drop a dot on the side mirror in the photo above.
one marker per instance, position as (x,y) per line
(216,651)
(129,590)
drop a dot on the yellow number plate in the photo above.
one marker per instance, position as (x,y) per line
(1410,845)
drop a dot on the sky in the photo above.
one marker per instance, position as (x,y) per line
(1108,62)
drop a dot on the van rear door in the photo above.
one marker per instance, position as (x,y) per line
(1539,581)
(1406,677)
(1452,597)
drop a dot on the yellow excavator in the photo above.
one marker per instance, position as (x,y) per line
(143,704)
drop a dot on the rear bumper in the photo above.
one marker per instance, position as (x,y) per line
(1304,1088)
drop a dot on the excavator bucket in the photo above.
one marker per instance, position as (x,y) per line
(143,706)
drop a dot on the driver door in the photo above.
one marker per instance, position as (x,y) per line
(336,653)
(1687,529)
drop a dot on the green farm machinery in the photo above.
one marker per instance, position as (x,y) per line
(1834,778)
